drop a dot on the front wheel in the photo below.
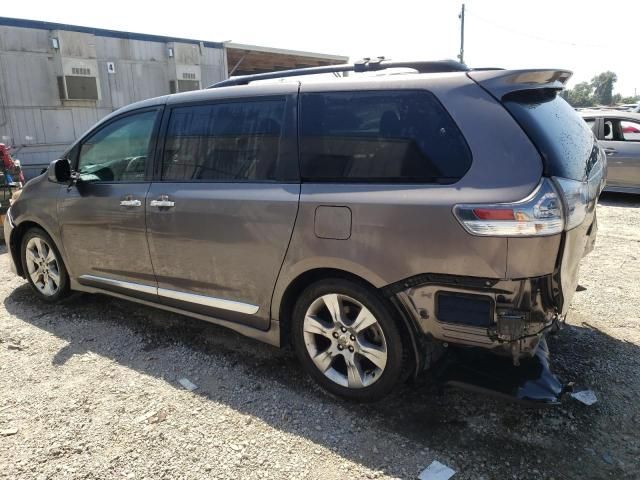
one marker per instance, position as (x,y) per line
(347,339)
(43,266)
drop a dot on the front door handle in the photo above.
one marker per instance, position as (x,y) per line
(162,202)
(130,202)
(610,151)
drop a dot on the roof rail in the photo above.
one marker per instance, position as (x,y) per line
(364,65)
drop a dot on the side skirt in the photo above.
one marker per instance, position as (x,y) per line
(271,336)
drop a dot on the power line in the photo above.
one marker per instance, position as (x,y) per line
(533,36)
(461,17)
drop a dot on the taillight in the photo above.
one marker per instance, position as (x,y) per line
(579,196)
(540,213)
(576,199)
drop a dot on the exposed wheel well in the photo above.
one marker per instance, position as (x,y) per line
(301,282)
(15,242)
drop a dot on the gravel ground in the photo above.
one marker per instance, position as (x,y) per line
(92,387)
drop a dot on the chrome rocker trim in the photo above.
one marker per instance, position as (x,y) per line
(212,302)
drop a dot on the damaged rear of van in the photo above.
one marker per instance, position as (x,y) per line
(543,235)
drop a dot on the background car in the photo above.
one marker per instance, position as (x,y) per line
(619,134)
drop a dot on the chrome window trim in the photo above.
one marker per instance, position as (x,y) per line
(213,302)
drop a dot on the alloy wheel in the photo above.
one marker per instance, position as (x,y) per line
(345,341)
(43,266)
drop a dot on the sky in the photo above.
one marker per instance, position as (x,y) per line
(587,37)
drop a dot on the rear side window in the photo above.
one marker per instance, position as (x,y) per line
(383,136)
(235,141)
(566,142)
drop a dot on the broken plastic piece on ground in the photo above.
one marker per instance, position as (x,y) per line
(154,416)
(437,471)
(532,382)
(8,432)
(588,397)
(186,383)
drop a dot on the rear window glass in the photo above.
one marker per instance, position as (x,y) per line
(380,136)
(566,142)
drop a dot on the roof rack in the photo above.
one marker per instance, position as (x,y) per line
(364,65)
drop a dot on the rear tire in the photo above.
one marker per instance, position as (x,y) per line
(43,266)
(347,339)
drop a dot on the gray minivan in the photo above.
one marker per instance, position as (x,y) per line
(367,220)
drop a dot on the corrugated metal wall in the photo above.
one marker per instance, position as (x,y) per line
(39,124)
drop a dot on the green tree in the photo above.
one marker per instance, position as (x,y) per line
(580,96)
(635,99)
(602,85)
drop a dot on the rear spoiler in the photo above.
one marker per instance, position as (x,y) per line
(502,82)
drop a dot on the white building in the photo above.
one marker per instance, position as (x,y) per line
(57,80)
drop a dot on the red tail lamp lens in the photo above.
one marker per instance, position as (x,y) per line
(494,214)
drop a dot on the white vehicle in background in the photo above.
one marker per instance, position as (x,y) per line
(619,134)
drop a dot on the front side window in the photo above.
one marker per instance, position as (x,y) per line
(119,151)
(380,136)
(630,131)
(232,141)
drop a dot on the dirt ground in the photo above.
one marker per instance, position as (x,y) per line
(92,388)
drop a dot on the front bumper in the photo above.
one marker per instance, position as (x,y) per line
(8,229)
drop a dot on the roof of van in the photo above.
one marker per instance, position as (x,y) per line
(499,82)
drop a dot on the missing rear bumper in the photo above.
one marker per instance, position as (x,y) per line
(507,317)
(532,382)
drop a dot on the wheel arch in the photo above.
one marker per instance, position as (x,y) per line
(15,242)
(288,299)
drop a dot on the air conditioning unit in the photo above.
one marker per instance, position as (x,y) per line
(184,67)
(77,66)
(78,87)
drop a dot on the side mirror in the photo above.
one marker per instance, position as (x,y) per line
(60,171)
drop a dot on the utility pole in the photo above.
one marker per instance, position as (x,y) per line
(461,17)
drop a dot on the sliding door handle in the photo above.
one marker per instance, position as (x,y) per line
(162,202)
(130,203)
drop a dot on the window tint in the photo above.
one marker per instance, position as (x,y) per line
(380,136)
(568,146)
(226,141)
(119,151)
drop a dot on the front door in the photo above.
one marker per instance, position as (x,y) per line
(103,214)
(621,142)
(221,213)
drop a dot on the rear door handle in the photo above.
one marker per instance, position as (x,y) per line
(130,202)
(610,151)
(162,202)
